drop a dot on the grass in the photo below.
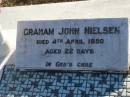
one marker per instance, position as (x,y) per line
(9,3)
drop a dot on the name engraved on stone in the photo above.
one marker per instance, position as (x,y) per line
(73,44)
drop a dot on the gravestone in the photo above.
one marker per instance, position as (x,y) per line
(73,44)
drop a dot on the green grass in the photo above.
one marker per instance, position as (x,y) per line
(10,3)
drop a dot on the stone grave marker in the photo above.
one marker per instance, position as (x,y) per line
(73,44)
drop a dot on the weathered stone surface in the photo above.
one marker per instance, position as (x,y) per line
(93,44)
(4,49)
(62,84)
(81,10)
